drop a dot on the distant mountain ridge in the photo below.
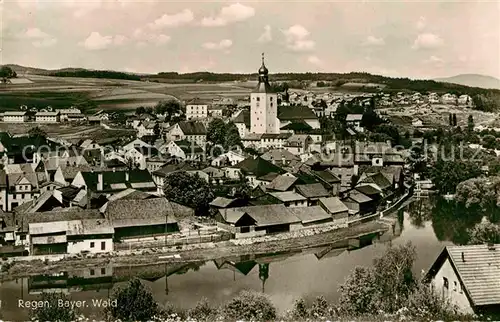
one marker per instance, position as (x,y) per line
(472,80)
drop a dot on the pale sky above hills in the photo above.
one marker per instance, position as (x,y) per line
(395,38)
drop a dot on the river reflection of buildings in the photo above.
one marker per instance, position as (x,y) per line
(107,277)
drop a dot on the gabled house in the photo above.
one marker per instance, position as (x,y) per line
(197,109)
(354,121)
(358,203)
(144,218)
(280,157)
(336,209)
(313,192)
(139,156)
(469,277)
(160,174)
(289,198)
(147,129)
(242,122)
(228,159)
(184,150)
(291,114)
(257,220)
(282,183)
(109,182)
(191,131)
(255,170)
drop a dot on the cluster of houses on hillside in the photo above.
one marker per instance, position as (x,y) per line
(70,197)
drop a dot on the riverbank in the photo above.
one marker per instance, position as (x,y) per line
(193,253)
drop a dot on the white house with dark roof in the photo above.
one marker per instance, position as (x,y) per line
(196,109)
(15,117)
(48,117)
(354,121)
(191,131)
(469,276)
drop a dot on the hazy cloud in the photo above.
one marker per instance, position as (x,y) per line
(181,18)
(427,41)
(96,41)
(434,60)
(143,38)
(39,38)
(223,44)
(230,14)
(314,60)
(374,41)
(421,23)
(296,38)
(266,36)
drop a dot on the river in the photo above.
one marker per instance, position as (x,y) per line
(284,277)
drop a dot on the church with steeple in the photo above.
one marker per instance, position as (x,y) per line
(264,105)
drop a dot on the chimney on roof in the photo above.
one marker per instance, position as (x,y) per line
(100,183)
(463,257)
(127,176)
(491,246)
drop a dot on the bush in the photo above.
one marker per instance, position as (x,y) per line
(249,305)
(133,303)
(53,312)
(202,311)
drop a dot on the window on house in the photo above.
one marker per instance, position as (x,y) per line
(460,288)
(258,99)
(445,283)
(92,272)
(103,245)
(454,286)
(92,244)
(103,271)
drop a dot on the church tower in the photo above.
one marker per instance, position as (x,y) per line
(264,105)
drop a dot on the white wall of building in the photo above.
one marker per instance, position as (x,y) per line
(75,247)
(264,113)
(454,291)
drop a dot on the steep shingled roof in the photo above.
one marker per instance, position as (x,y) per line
(258,166)
(112,178)
(243,117)
(296,113)
(129,212)
(192,128)
(478,267)
(313,190)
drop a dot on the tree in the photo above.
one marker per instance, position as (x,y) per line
(232,138)
(202,311)
(53,311)
(216,132)
(484,232)
(250,306)
(169,108)
(489,141)
(140,110)
(446,175)
(37,131)
(188,190)
(370,119)
(358,293)
(470,124)
(6,72)
(133,303)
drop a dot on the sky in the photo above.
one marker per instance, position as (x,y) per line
(417,39)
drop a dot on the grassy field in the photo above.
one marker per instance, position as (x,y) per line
(105,94)
(71,132)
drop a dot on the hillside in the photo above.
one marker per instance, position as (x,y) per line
(473,80)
